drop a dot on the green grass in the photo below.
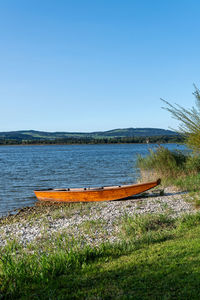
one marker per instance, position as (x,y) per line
(173,167)
(190,183)
(138,226)
(158,258)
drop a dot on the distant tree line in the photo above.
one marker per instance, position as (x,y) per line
(88,140)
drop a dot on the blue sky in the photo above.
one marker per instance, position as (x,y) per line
(96,65)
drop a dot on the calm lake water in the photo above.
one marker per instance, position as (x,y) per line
(25,168)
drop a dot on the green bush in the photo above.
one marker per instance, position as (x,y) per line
(193,164)
(189,121)
(190,183)
(164,162)
(183,170)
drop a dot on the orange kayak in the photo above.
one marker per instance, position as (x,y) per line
(106,193)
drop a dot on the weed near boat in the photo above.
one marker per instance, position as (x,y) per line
(173,167)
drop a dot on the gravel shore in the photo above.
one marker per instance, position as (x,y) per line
(94,222)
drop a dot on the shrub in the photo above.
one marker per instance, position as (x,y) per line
(189,121)
(174,167)
(163,162)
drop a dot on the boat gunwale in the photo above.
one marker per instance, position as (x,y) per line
(97,189)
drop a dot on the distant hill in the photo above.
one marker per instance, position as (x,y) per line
(24,135)
(131,132)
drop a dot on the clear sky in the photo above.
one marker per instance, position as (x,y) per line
(87,65)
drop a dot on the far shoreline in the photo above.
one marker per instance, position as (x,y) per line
(93,144)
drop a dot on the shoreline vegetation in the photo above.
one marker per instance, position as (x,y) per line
(173,167)
(90,141)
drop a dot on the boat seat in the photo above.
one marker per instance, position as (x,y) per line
(96,188)
(112,187)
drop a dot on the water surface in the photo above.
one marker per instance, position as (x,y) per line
(25,168)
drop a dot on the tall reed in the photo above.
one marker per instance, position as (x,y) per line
(172,166)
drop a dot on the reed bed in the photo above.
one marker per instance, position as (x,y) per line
(173,167)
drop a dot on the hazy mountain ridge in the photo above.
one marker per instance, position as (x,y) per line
(115,133)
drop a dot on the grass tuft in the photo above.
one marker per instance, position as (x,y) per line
(139,225)
(174,167)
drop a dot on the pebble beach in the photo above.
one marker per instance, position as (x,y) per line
(93,222)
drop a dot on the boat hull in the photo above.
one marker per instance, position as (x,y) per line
(94,194)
